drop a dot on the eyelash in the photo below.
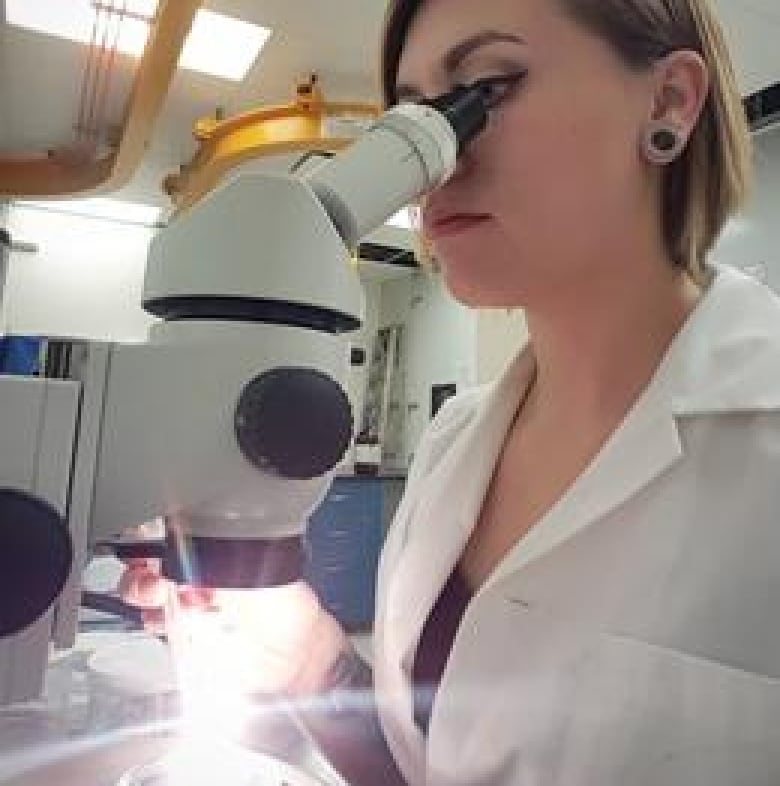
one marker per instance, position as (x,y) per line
(505,84)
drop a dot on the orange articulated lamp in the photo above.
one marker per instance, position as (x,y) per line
(299,126)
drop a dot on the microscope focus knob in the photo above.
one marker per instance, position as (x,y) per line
(296,422)
(36,555)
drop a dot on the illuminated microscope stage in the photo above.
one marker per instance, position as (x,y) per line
(105,722)
(235,767)
(155,761)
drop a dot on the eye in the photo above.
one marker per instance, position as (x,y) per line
(496,89)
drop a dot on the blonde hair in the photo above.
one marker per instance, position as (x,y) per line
(711,180)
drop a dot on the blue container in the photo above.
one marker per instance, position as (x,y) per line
(20,355)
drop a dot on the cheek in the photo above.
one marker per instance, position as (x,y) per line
(560,179)
(564,177)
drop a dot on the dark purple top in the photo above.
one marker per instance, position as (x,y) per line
(435,644)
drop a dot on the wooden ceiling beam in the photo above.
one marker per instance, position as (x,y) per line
(65,172)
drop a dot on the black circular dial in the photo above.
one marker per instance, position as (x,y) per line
(296,422)
(35,558)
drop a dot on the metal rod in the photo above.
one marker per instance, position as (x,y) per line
(123,12)
(109,71)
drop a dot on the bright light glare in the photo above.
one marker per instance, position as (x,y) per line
(100,207)
(221,656)
(404,219)
(74,20)
(211,761)
(207,763)
(215,664)
(213,672)
(217,45)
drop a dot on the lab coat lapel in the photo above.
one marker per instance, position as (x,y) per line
(695,377)
(448,507)
(642,448)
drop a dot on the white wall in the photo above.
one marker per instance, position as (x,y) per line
(439,344)
(86,280)
(754,238)
(363,339)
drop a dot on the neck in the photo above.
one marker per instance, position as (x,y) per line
(597,348)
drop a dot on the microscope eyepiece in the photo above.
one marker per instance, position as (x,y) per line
(466,111)
(467,107)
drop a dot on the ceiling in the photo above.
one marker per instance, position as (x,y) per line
(40,77)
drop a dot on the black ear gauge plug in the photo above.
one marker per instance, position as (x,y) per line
(664,139)
(662,143)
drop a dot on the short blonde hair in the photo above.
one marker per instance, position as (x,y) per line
(711,180)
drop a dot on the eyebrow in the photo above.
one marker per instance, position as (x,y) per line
(462,50)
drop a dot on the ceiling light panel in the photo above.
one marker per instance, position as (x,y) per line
(222,46)
(217,45)
(75,21)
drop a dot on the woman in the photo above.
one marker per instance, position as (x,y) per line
(581,574)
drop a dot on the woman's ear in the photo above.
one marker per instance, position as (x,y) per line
(681,85)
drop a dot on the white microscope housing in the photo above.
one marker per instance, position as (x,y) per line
(229,421)
(227,424)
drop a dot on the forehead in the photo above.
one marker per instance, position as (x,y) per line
(441,24)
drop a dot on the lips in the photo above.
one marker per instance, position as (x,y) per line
(444,225)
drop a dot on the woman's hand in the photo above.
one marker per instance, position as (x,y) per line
(278,640)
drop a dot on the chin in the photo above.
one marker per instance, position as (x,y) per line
(477,294)
(476,284)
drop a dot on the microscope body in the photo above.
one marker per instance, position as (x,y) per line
(251,280)
(227,423)
(134,433)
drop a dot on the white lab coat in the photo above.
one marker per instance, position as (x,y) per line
(632,638)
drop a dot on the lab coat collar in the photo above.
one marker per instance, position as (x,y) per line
(440,512)
(449,503)
(726,358)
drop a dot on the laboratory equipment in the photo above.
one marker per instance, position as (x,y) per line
(227,423)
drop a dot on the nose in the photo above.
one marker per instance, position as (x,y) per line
(464,167)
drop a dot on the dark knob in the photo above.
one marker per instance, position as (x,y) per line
(35,559)
(296,422)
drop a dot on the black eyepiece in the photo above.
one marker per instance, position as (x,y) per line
(465,109)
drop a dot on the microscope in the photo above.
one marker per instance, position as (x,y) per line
(227,423)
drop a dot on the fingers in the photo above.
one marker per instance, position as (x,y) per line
(150,563)
(197,597)
(143,587)
(154,621)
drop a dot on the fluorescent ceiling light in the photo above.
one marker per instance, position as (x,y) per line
(222,46)
(75,20)
(217,45)
(101,207)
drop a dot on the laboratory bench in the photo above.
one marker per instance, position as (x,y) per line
(90,729)
(100,726)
